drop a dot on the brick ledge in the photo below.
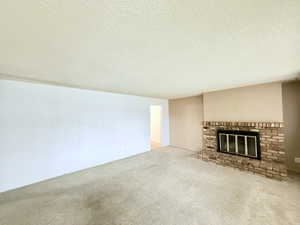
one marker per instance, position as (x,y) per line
(244,124)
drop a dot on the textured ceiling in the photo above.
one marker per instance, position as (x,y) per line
(159,48)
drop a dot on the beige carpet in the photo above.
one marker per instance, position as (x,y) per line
(162,187)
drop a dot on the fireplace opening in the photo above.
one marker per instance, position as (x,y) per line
(242,143)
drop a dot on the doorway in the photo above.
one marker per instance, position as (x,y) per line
(155,126)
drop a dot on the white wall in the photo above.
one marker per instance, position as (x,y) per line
(47,131)
(246,104)
(156,123)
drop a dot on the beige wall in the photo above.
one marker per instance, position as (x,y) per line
(268,102)
(186,116)
(247,104)
(291,116)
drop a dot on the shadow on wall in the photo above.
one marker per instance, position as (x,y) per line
(186,117)
(291,117)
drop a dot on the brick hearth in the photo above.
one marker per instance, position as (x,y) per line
(273,155)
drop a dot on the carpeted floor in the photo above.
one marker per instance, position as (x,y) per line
(162,187)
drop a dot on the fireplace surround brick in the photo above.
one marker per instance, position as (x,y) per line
(273,156)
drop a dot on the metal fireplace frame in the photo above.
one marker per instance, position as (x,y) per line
(242,133)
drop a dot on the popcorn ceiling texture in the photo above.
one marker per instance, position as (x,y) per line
(273,154)
(159,48)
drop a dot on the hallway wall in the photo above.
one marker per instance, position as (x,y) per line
(155,111)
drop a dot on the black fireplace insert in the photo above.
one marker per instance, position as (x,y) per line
(241,143)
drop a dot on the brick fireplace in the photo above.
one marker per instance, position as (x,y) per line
(271,161)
